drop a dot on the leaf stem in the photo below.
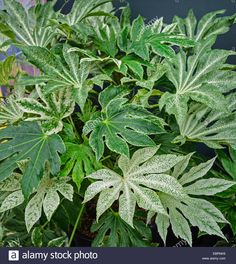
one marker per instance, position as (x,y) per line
(76,224)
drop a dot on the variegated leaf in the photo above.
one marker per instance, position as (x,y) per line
(54,108)
(141,176)
(12,200)
(186,211)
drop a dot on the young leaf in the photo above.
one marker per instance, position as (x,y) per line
(55,107)
(79,161)
(37,237)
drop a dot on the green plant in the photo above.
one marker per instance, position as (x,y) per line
(115,110)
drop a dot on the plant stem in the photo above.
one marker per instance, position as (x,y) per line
(76,224)
(45,224)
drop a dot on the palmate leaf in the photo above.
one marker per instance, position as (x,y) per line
(120,123)
(114,232)
(187,211)
(199,77)
(10,111)
(51,111)
(142,174)
(78,161)
(208,26)
(45,198)
(58,76)
(212,127)
(82,9)
(137,38)
(27,141)
(144,39)
(30,27)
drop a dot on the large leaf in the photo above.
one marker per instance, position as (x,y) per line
(199,77)
(30,27)
(212,127)
(57,75)
(54,108)
(187,211)
(209,25)
(120,123)
(142,174)
(27,141)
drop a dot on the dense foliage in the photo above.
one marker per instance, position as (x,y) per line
(101,139)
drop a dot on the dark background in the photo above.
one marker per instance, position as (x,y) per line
(151,9)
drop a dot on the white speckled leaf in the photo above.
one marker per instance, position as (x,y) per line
(50,203)
(148,199)
(162,222)
(161,182)
(158,164)
(104,174)
(33,210)
(182,165)
(208,208)
(204,220)
(131,188)
(197,172)
(12,200)
(66,190)
(107,198)
(127,204)
(180,226)
(142,155)
(123,163)
(208,186)
(98,187)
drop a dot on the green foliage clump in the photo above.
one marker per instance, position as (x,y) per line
(109,124)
